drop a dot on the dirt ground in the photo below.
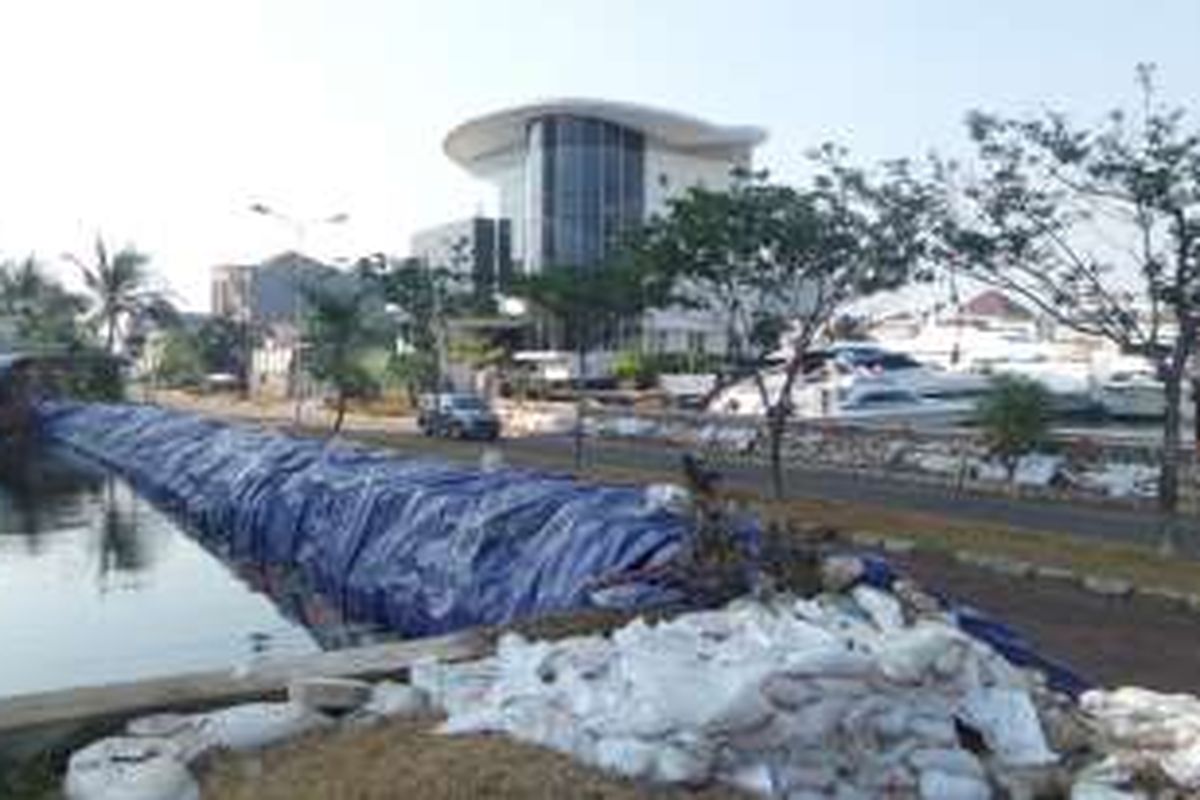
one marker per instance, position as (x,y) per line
(409,760)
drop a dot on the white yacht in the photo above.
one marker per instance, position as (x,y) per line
(1070,382)
(886,402)
(861,381)
(1131,390)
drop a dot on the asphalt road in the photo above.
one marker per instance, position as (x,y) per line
(1102,522)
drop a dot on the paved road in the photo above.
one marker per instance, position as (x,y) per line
(1085,520)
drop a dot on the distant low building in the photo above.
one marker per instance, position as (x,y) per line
(994,304)
(266,294)
(269,297)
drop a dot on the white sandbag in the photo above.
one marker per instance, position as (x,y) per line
(666,497)
(186,733)
(1183,766)
(329,695)
(1164,728)
(950,761)
(127,768)
(253,726)
(908,655)
(792,776)
(933,729)
(626,755)
(1103,781)
(817,722)
(455,688)
(676,763)
(391,699)
(883,609)
(830,663)
(1009,724)
(935,785)
(839,573)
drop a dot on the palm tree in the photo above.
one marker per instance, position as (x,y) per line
(121,290)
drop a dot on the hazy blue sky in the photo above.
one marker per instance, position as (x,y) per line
(159,121)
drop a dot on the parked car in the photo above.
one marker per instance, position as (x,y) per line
(458,416)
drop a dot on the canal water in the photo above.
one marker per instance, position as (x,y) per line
(97,586)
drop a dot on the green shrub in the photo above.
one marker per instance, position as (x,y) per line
(634,367)
(1015,418)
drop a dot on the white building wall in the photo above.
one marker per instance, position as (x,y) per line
(675,330)
(671,172)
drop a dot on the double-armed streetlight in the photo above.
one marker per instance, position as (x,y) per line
(298,225)
(300,229)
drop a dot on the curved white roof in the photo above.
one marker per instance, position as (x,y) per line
(504,130)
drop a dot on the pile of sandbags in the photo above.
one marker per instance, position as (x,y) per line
(151,760)
(1148,737)
(155,757)
(838,696)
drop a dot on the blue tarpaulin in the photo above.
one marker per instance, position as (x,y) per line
(416,545)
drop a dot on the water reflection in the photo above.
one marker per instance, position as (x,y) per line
(97,585)
(322,617)
(40,494)
(123,549)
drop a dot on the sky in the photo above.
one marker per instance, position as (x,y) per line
(159,122)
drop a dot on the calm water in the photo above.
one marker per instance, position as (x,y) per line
(97,585)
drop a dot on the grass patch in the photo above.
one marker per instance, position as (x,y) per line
(407,759)
(36,779)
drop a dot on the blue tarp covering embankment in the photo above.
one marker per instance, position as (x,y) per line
(417,546)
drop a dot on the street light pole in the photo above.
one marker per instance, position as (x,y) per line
(299,231)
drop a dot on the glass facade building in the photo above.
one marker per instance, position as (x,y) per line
(584,187)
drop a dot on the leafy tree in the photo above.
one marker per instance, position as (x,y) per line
(181,361)
(421,299)
(475,349)
(120,291)
(1015,418)
(343,324)
(588,304)
(777,263)
(1098,228)
(43,313)
(414,371)
(224,345)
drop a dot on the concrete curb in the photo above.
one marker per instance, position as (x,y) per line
(1117,588)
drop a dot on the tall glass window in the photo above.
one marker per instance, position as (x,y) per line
(585,189)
